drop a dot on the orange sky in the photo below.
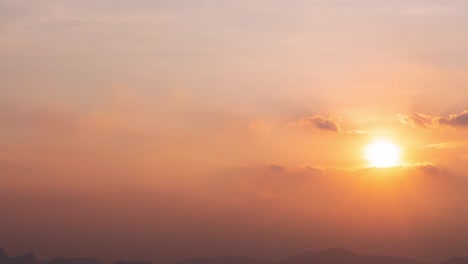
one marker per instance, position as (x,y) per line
(168,129)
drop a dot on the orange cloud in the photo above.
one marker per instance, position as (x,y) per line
(429,122)
(426,167)
(313,169)
(417,120)
(277,167)
(457,120)
(322,123)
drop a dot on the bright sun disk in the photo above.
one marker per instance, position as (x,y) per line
(383,154)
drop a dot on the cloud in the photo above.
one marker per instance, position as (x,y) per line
(432,121)
(426,167)
(456,120)
(418,120)
(276,167)
(313,169)
(448,145)
(322,123)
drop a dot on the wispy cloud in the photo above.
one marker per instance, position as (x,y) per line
(458,120)
(448,145)
(417,120)
(323,123)
(425,167)
(433,121)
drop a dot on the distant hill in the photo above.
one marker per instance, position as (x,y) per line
(330,256)
(62,260)
(341,256)
(28,258)
(225,260)
(456,260)
(31,259)
(133,262)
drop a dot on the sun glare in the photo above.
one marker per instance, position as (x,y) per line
(383,154)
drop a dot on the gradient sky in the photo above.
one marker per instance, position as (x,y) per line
(166,129)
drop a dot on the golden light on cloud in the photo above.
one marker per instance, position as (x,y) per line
(383,154)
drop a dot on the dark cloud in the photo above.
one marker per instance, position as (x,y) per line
(430,122)
(276,167)
(457,120)
(322,123)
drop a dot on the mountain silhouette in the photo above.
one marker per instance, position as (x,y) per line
(339,256)
(3,257)
(456,260)
(28,258)
(329,256)
(225,260)
(62,260)
(133,262)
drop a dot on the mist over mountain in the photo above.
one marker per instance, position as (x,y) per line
(30,258)
(456,260)
(329,256)
(225,260)
(27,258)
(336,255)
(62,260)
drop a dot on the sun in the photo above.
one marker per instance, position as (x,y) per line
(383,154)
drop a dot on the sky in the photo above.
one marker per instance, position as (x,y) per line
(167,129)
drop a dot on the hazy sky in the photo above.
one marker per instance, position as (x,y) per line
(166,129)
